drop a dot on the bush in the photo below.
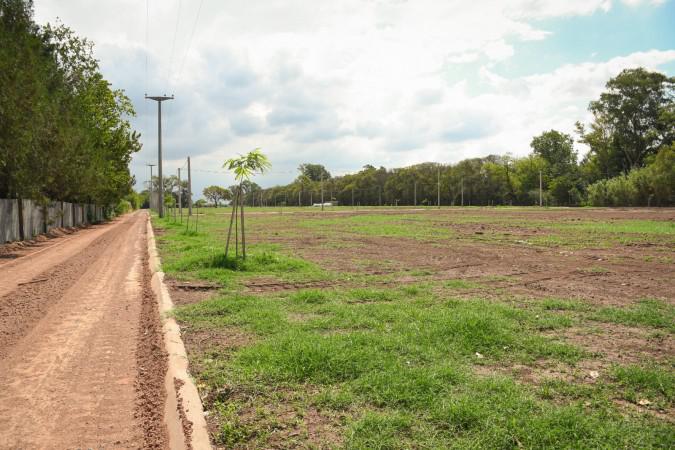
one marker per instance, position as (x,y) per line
(662,176)
(620,191)
(123,207)
(654,184)
(598,194)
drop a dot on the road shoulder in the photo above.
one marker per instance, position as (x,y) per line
(183,411)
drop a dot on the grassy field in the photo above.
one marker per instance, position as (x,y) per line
(459,328)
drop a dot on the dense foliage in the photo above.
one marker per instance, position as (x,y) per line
(216,193)
(631,161)
(64,133)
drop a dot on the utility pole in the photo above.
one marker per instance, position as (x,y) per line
(322,191)
(180,197)
(462,191)
(150,201)
(159,99)
(379,195)
(541,197)
(352,197)
(438,200)
(189,189)
(415,194)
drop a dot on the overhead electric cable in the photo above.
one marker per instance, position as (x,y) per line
(173,45)
(147,39)
(187,49)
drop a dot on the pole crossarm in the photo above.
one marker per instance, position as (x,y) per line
(158,98)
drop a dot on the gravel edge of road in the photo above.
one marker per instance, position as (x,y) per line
(152,363)
(183,411)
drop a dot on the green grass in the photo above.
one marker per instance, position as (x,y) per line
(654,383)
(392,366)
(559,304)
(403,369)
(461,284)
(647,312)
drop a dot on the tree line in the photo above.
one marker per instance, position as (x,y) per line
(64,132)
(630,162)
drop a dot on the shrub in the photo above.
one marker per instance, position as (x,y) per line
(123,207)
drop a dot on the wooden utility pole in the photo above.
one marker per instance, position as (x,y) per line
(462,191)
(189,189)
(180,197)
(352,197)
(321,190)
(415,193)
(541,196)
(150,187)
(438,198)
(159,99)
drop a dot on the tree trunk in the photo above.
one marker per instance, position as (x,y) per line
(243,234)
(236,226)
(229,231)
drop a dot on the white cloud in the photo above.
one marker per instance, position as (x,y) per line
(642,2)
(341,83)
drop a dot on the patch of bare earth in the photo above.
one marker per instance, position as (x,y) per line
(620,344)
(202,340)
(283,417)
(189,292)
(268,284)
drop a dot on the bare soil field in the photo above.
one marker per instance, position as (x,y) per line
(493,245)
(81,354)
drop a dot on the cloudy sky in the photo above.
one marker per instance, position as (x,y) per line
(346,83)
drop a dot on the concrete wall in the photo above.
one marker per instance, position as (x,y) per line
(38,219)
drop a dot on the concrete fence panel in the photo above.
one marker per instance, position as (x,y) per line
(67,214)
(54,215)
(38,219)
(33,219)
(9,220)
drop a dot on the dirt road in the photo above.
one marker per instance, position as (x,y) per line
(81,357)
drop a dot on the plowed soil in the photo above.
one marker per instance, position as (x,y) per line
(81,360)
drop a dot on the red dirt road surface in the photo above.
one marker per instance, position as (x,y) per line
(81,358)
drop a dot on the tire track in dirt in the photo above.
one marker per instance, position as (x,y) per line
(30,301)
(78,376)
(40,258)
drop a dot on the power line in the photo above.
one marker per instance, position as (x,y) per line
(147,19)
(187,49)
(147,50)
(226,172)
(173,45)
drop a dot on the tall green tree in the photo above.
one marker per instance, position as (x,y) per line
(315,172)
(64,132)
(633,118)
(216,193)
